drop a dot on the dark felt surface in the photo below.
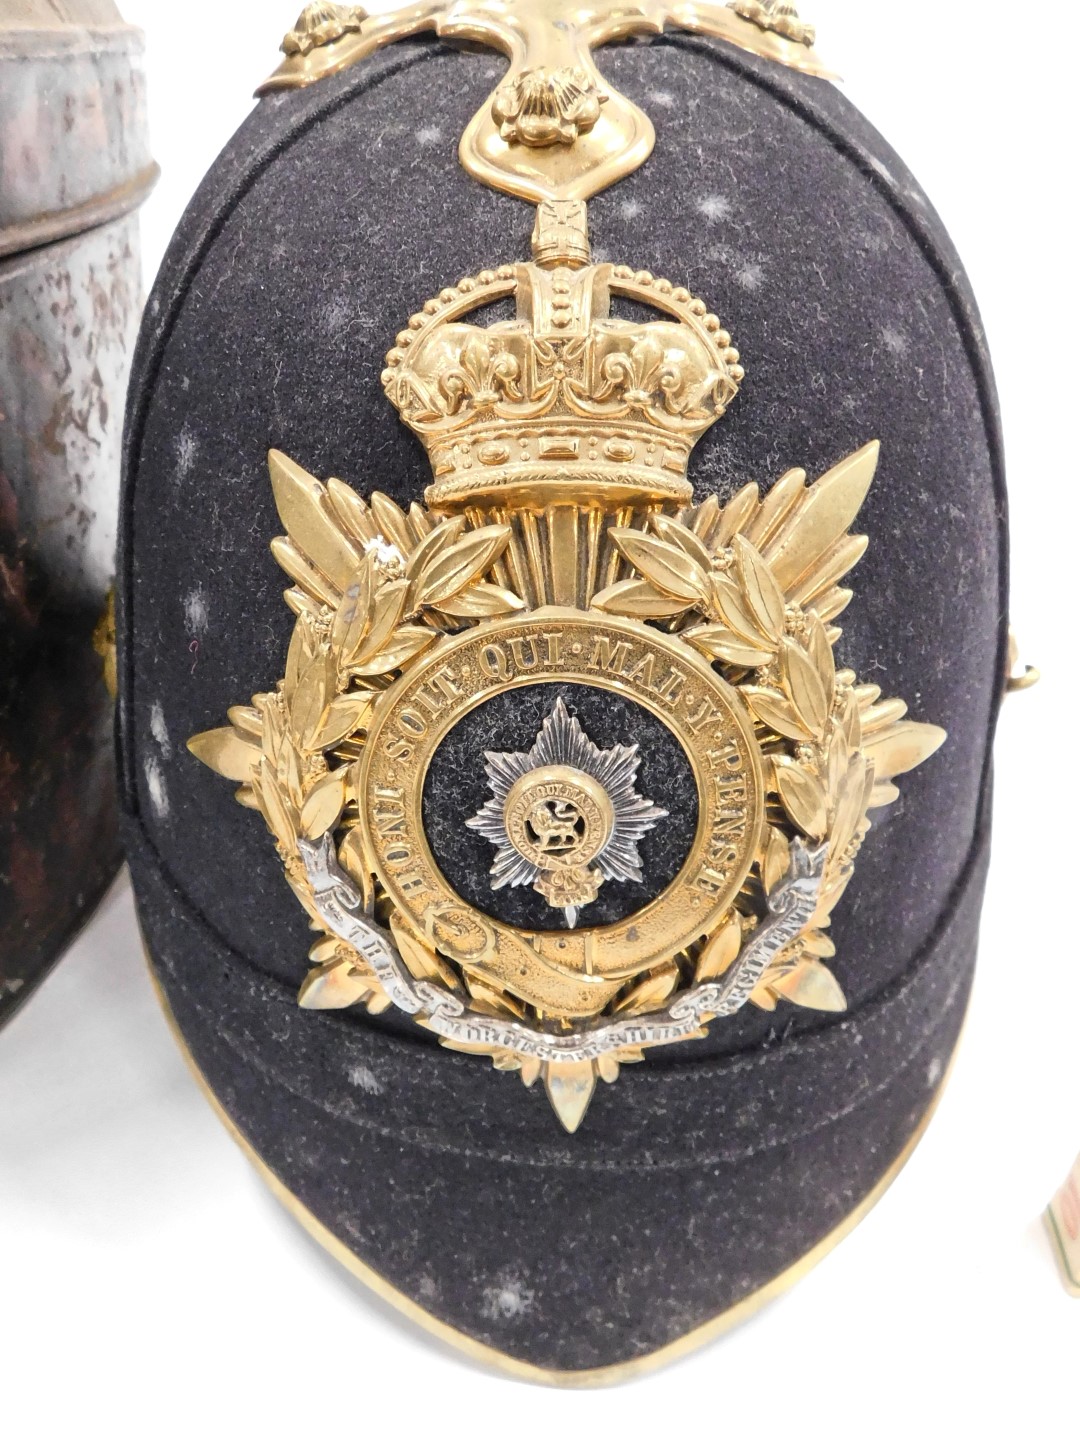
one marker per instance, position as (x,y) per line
(689,1187)
(457,787)
(299,261)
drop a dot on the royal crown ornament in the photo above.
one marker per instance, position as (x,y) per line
(634,892)
(564,398)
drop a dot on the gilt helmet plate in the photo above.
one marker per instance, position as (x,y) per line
(560,902)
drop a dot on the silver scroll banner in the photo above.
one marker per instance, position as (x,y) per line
(339,903)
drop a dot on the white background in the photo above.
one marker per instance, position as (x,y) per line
(150,1287)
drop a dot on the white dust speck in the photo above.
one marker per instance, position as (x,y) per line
(337,313)
(187,447)
(663,99)
(630,209)
(429,135)
(196,612)
(714,207)
(365,1079)
(894,340)
(874,244)
(933,1073)
(508,1301)
(750,277)
(155,783)
(159,729)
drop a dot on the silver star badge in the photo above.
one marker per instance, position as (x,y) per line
(565,816)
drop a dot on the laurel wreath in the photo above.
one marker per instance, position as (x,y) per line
(405,580)
(731,609)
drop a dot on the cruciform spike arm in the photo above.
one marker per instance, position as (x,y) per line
(554,129)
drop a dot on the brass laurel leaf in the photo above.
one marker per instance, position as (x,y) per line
(433,545)
(302,604)
(289,775)
(324,804)
(835,762)
(729,603)
(421,958)
(849,803)
(777,859)
(669,568)
(721,951)
(763,595)
(651,993)
(227,752)
(832,568)
(902,747)
(883,794)
(813,986)
(833,603)
(334,986)
(683,539)
(803,797)
(274,719)
(391,522)
(481,601)
(345,716)
(354,616)
(638,599)
(354,860)
(822,658)
(407,643)
(607,1067)
(763,997)
(388,608)
(302,648)
(276,810)
(775,710)
(883,714)
(494,1000)
(804,688)
(719,643)
(704,518)
(315,689)
(815,943)
(247,721)
(467,560)
(851,723)
(506,1061)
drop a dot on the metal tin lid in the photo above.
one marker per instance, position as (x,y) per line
(74,149)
